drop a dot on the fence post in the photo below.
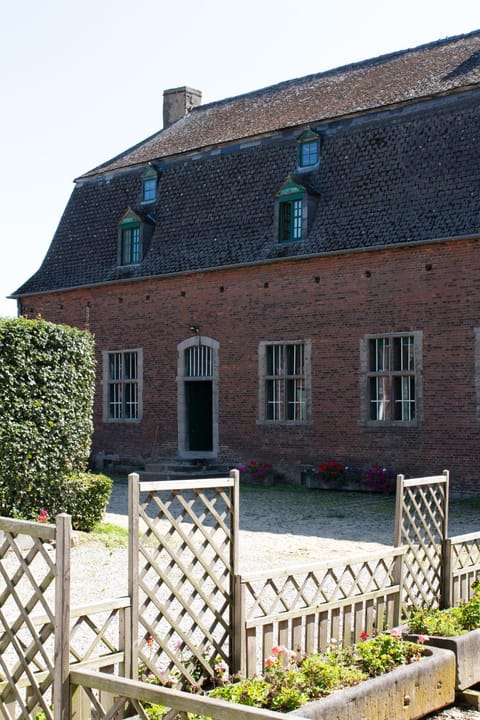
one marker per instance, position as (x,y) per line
(131,635)
(61,678)
(447,573)
(235,585)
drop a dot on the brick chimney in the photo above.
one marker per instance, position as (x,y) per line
(177,102)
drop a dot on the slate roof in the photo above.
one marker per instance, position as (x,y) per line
(400,163)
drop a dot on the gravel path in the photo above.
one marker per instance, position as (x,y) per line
(279,527)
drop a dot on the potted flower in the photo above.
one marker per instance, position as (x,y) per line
(457,629)
(257,472)
(381,677)
(331,475)
(379,479)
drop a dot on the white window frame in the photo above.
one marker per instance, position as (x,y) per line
(121,383)
(280,381)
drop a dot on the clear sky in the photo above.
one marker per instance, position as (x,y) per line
(82,80)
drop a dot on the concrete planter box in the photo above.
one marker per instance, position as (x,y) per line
(466,649)
(406,693)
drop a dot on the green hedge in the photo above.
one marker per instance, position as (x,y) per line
(47,380)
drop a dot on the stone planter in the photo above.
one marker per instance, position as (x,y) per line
(466,649)
(310,479)
(406,693)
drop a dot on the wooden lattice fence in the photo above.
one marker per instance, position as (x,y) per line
(188,606)
(183,558)
(29,570)
(462,567)
(310,608)
(421,523)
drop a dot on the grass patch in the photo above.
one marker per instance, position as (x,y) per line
(110,535)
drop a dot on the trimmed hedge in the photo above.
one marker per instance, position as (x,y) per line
(47,381)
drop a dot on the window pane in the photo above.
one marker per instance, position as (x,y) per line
(115,401)
(115,366)
(285,221)
(149,189)
(379,398)
(404,389)
(130,251)
(131,400)
(297,220)
(294,359)
(199,361)
(295,399)
(274,360)
(308,153)
(274,399)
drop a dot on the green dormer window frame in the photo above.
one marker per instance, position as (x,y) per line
(149,185)
(308,149)
(130,239)
(291,211)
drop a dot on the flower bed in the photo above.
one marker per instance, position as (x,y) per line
(406,693)
(380,678)
(456,629)
(333,475)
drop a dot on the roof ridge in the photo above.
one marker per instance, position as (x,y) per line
(376,60)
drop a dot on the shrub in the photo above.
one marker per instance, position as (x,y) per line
(85,497)
(47,377)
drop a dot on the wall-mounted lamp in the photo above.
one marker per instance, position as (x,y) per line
(195,329)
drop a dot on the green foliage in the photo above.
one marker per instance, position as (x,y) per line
(450,621)
(290,681)
(47,378)
(381,654)
(85,497)
(110,535)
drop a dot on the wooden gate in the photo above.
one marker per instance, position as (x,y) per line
(183,559)
(421,523)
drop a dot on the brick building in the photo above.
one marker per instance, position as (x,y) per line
(290,275)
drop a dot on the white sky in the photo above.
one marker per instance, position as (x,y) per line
(82,80)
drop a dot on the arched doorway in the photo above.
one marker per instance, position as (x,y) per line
(198,398)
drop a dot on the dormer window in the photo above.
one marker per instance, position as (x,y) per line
(291,208)
(308,149)
(290,219)
(149,185)
(130,250)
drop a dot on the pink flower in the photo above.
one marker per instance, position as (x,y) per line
(42,516)
(149,641)
(178,645)
(423,639)
(364,636)
(278,650)
(221,667)
(270,661)
(396,633)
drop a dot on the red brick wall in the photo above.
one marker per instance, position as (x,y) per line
(333,301)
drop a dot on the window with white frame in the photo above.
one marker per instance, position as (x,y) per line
(392,378)
(123,380)
(284,370)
